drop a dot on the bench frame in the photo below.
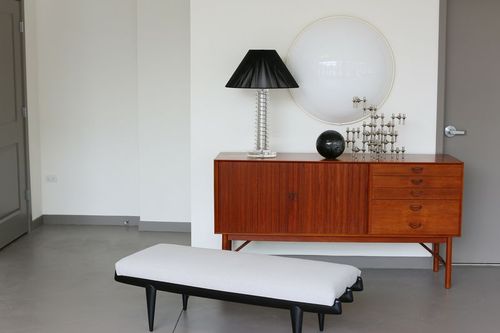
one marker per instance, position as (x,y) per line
(296,308)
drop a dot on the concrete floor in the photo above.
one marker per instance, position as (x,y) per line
(60,279)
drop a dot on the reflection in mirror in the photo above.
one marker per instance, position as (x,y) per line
(335,59)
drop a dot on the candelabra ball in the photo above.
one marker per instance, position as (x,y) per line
(330,144)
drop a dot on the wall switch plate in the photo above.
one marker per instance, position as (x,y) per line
(51,179)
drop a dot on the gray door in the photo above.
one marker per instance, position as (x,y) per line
(13,206)
(473,104)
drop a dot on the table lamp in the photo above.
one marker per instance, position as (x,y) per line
(262,70)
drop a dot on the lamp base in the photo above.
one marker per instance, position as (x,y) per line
(262,154)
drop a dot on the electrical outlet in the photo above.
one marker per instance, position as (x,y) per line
(51,179)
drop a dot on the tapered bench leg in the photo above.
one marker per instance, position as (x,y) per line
(151,303)
(296,315)
(321,319)
(185,301)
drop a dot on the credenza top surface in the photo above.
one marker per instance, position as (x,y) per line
(344,158)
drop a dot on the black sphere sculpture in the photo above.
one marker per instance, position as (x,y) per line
(330,144)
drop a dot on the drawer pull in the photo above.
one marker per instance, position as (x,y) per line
(415,208)
(417,193)
(417,181)
(415,225)
(417,169)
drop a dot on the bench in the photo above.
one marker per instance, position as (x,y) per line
(297,285)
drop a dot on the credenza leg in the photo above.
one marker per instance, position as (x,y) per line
(449,251)
(435,253)
(226,243)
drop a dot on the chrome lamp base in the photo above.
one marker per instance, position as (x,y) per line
(262,154)
(261,134)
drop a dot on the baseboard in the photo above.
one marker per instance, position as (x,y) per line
(116,220)
(36,222)
(165,226)
(376,262)
(91,220)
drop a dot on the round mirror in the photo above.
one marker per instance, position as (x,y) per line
(335,59)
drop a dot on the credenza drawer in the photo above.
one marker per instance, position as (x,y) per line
(416,193)
(417,169)
(416,181)
(415,217)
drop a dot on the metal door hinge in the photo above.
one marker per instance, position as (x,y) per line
(25,112)
(27,195)
(21,26)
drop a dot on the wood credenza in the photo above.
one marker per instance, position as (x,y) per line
(302,197)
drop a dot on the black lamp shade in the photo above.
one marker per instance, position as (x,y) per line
(262,69)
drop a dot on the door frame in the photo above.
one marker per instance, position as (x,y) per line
(441,84)
(26,196)
(27,193)
(27,171)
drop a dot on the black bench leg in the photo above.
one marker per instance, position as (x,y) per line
(151,302)
(321,319)
(296,315)
(185,301)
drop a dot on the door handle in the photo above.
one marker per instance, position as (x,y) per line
(415,208)
(417,181)
(417,193)
(450,131)
(415,225)
(417,169)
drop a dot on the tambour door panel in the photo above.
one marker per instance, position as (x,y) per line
(289,197)
(254,197)
(295,198)
(413,217)
(333,199)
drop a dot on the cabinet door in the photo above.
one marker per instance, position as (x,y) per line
(332,199)
(292,198)
(248,198)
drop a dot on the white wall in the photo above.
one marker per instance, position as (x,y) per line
(108,88)
(163,95)
(87,94)
(223,119)
(101,89)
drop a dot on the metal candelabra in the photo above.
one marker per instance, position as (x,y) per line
(378,137)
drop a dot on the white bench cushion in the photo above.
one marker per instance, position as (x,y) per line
(297,280)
